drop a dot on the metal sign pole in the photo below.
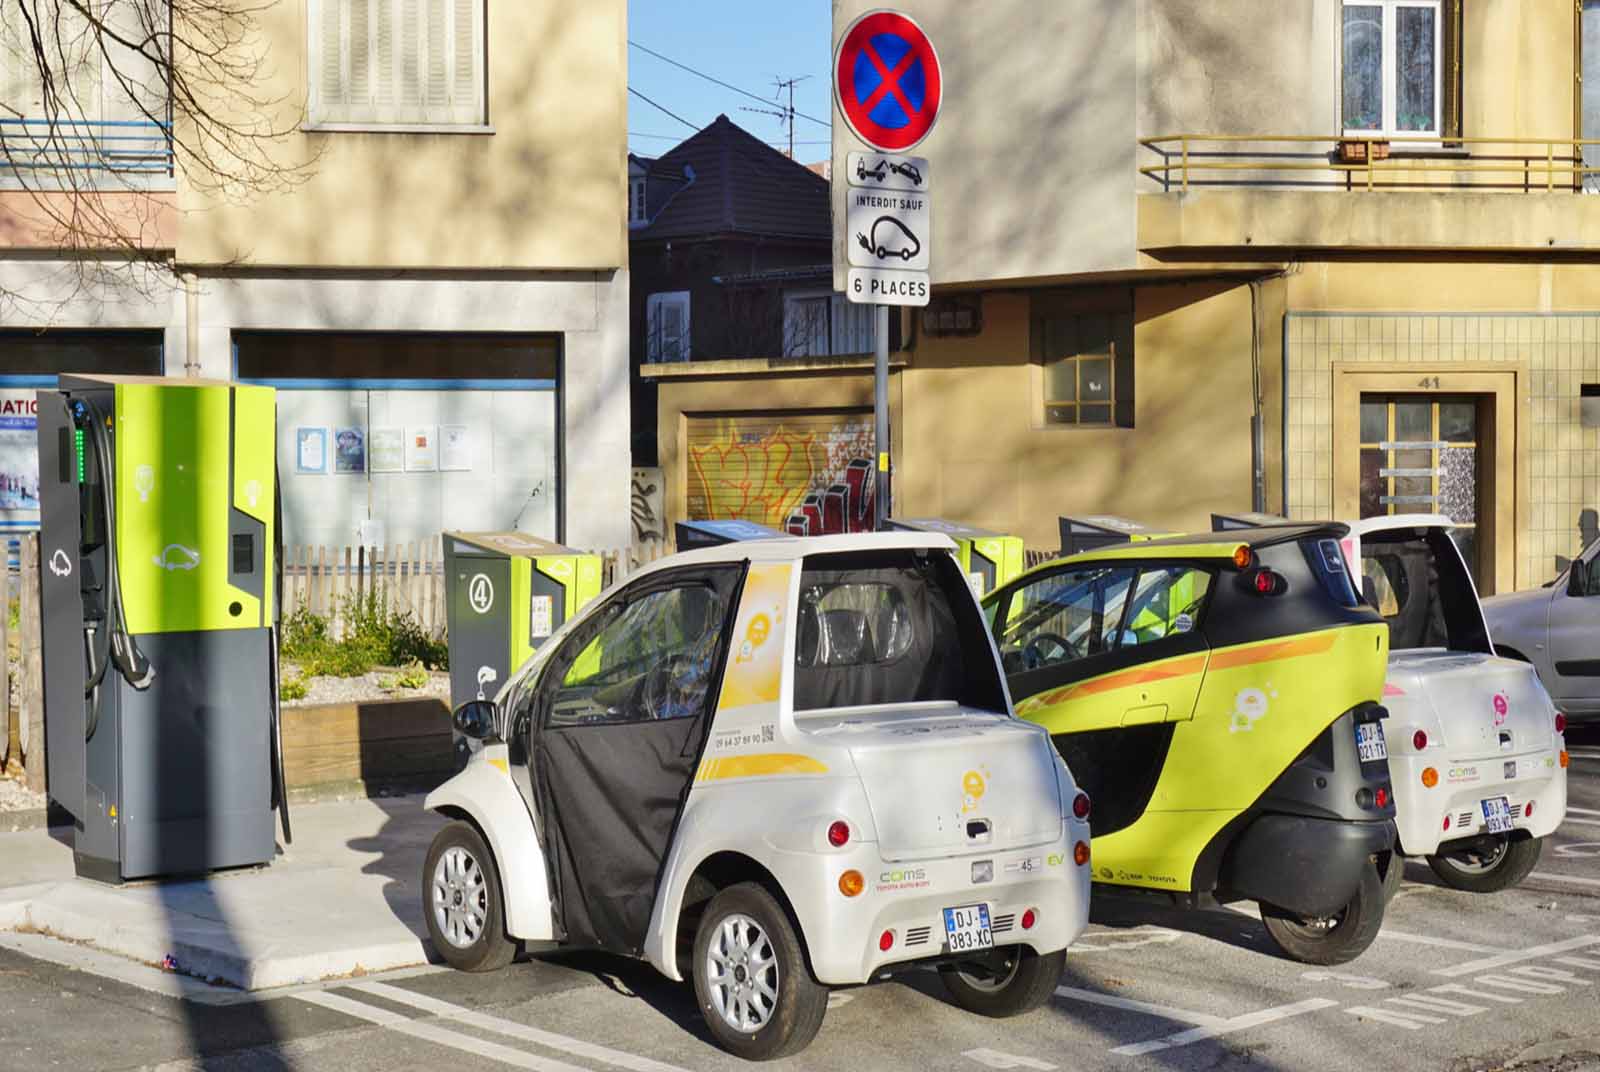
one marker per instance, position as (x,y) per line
(880,414)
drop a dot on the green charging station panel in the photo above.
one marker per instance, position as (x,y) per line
(507,593)
(989,559)
(157,511)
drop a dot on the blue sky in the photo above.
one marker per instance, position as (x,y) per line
(746,43)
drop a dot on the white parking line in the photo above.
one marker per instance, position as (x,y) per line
(1550,876)
(1569,820)
(512,1029)
(1166,1012)
(1439,943)
(440,1036)
(1582,811)
(1226,1027)
(1472,967)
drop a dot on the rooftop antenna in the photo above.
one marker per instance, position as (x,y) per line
(784,112)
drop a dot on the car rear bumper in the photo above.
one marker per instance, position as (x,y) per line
(908,899)
(1462,787)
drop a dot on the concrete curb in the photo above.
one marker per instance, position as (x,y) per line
(205,949)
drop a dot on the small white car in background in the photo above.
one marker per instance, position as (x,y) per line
(769,767)
(1476,748)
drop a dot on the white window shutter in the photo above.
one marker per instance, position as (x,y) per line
(466,77)
(385,43)
(360,47)
(331,104)
(399,61)
(411,42)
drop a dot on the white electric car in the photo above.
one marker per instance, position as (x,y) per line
(1476,748)
(770,767)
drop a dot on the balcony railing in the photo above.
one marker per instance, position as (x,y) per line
(63,153)
(1522,165)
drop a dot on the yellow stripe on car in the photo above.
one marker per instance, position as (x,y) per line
(762,764)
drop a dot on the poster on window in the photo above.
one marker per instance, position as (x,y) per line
(19,459)
(350,450)
(388,446)
(311,450)
(455,449)
(422,448)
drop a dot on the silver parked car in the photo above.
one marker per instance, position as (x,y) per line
(1557,629)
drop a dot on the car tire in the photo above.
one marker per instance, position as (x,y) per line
(463,903)
(1028,981)
(1394,873)
(1338,940)
(773,1010)
(1513,864)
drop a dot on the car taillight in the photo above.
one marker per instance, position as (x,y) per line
(1080,806)
(1419,740)
(838,833)
(1266,582)
(1029,918)
(886,941)
(1430,777)
(1447,822)
(852,883)
(1564,760)
(1080,853)
(1527,809)
(1561,722)
(1382,797)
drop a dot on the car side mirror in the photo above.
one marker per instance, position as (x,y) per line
(476,719)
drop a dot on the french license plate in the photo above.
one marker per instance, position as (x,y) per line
(1497,815)
(1369,742)
(967,928)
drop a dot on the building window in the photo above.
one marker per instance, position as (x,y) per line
(397,63)
(1392,67)
(667,326)
(636,209)
(1088,369)
(820,323)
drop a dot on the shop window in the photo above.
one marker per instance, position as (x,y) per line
(1400,64)
(667,335)
(819,323)
(1087,363)
(397,63)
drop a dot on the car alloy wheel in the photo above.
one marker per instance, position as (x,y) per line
(460,897)
(742,973)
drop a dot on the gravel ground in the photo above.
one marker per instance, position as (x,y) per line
(14,796)
(369,686)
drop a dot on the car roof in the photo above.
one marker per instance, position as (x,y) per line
(1392,522)
(794,548)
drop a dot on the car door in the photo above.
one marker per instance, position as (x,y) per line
(1108,658)
(1575,636)
(619,717)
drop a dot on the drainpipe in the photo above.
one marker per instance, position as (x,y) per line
(1258,439)
(191,321)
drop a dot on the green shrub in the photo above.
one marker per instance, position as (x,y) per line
(374,636)
(292,688)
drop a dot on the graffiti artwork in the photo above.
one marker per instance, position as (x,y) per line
(808,474)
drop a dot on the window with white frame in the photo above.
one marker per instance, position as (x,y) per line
(636,205)
(667,326)
(819,323)
(1392,59)
(397,63)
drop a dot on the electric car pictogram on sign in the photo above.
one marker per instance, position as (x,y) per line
(887,80)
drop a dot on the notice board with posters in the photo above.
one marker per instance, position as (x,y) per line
(807,472)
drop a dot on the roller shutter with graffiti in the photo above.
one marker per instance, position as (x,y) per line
(806,473)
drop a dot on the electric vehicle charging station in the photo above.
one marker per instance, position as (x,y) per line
(692,535)
(506,593)
(157,531)
(989,559)
(1079,534)
(1247,520)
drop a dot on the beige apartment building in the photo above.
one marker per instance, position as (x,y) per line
(434,277)
(1327,258)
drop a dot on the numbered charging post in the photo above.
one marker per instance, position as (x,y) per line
(506,593)
(157,524)
(989,559)
(1089,533)
(888,87)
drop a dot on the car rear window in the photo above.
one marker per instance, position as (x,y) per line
(890,627)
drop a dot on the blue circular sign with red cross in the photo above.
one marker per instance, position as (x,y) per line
(886,79)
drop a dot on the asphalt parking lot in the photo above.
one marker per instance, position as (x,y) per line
(1455,981)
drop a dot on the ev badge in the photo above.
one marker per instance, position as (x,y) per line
(60,564)
(486,676)
(480,593)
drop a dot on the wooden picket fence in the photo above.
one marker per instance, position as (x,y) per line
(406,577)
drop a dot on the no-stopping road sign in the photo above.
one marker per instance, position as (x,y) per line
(886,80)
